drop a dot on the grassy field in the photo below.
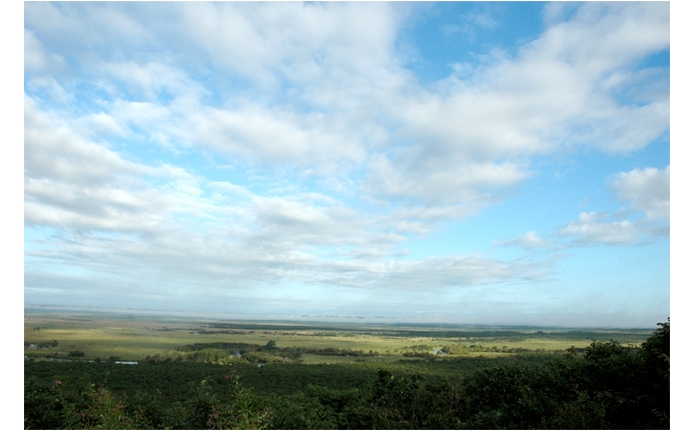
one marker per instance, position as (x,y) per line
(134,338)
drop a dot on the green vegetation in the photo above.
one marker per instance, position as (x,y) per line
(245,380)
(133,338)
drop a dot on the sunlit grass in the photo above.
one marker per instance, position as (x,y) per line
(135,339)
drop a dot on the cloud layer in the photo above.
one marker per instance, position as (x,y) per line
(219,147)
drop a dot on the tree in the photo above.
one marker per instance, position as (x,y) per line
(270,345)
(659,344)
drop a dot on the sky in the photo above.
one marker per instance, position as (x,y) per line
(467,163)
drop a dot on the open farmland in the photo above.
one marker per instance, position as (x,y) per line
(100,336)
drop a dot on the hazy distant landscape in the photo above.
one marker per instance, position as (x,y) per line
(131,337)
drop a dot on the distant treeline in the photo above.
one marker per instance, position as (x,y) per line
(637,335)
(258,353)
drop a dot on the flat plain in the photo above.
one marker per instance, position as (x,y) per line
(55,335)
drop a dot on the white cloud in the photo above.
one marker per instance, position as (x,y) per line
(303,43)
(528,240)
(71,182)
(593,227)
(87,31)
(51,149)
(36,60)
(277,137)
(469,184)
(647,190)
(51,88)
(150,81)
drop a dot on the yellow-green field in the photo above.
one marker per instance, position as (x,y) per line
(130,338)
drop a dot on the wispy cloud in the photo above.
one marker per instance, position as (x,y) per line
(647,193)
(595,227)
(528,240)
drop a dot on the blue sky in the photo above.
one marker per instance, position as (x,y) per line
(483,163)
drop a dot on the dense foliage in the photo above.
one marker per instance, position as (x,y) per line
(607,385)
